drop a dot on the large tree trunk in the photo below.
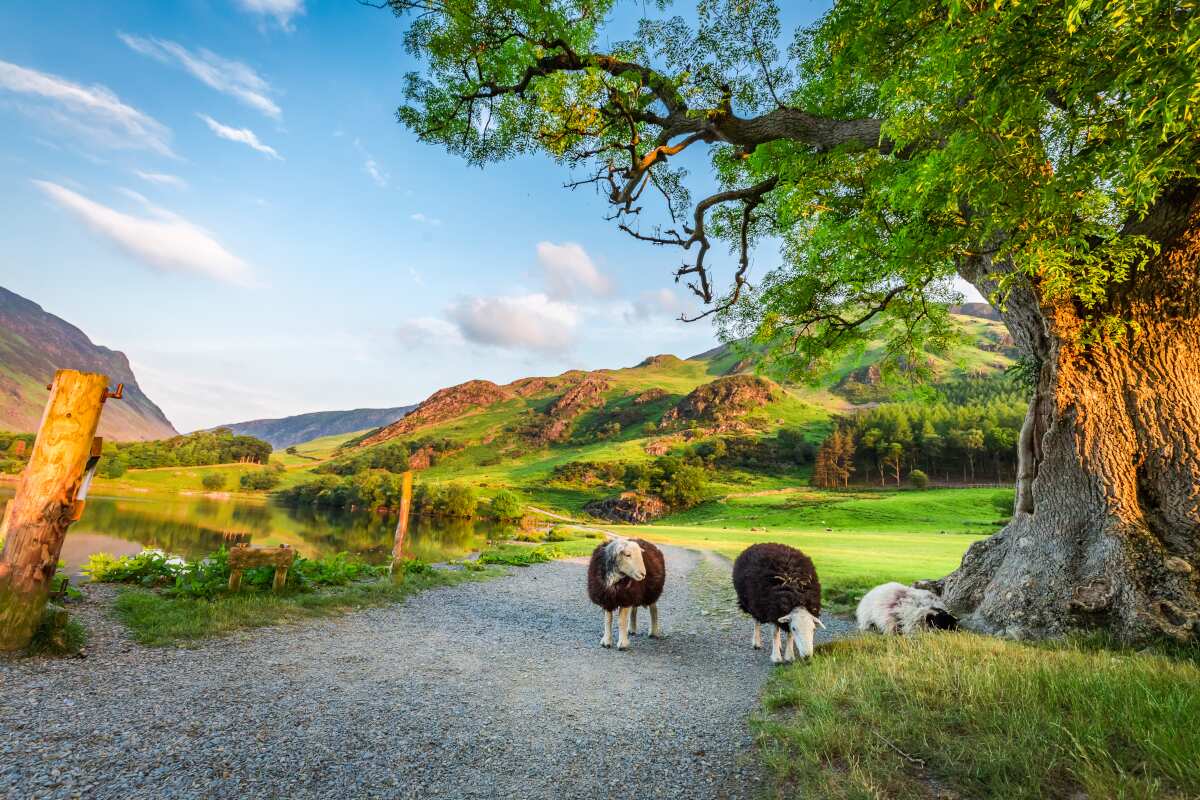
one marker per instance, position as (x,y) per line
(1106,525)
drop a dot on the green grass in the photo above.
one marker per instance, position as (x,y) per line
(315,450)
(960,715)
(873,536)
(157,620)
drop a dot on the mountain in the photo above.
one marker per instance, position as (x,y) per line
(661,402)
(287,431)
(34,343)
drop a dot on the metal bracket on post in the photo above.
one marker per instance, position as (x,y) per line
(89,472)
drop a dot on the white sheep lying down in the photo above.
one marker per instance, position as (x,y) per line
(893,608)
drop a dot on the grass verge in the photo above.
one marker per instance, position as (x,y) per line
(158,620)
(962,715)
(57,635)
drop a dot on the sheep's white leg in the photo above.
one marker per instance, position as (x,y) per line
(606,639)
(756,640)
(623,622)
(789,647)
(655,630)
(633,621)
(776,656)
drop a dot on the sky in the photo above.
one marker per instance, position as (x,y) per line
(219,189)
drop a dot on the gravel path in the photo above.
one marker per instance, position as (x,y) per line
(493,689)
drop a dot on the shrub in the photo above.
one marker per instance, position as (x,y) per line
(918,479)
(559,534)
(520,556)
(208,577)
(260,481)
(213,481)
(506,505)
(459,501)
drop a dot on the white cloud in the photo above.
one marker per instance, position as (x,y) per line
(233,78)
(242,135)
(93,113)
(281,10)
(162,179)
(371,166)
(522,322)
(164,241)
(569,270)
(428,330)
(424,219)
(656,303)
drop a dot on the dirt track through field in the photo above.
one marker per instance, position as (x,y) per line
(491,689)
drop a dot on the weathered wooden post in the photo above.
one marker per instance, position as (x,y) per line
(402,523)
(44,506)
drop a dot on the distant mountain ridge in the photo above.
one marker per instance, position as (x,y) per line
(287,431)
(35,343)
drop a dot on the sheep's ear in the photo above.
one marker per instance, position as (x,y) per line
(820,624)
(784,620)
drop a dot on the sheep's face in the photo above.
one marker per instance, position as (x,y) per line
(629,559)
(803,626)
(941,619)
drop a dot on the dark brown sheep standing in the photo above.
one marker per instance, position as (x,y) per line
(624,574)
(778,584)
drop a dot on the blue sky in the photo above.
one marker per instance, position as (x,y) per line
(219,189)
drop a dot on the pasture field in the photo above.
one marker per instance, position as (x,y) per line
(857,539)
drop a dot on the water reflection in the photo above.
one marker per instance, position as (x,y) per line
(194,526)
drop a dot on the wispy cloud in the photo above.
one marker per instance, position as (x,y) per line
(424,219)
(569,271)
(371,166)
(520,322)
(282,11)
(655,303)
(93,113)
(162,179)
(421,331)
(233,78)
(243,135)
(162,241)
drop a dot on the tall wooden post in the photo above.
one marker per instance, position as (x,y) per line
(37,518)
(402,523)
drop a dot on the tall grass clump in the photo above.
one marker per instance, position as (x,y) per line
(970,716)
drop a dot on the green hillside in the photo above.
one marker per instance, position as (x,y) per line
(565,441)
(515,436)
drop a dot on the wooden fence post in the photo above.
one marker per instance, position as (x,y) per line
(402,523)
(37,518)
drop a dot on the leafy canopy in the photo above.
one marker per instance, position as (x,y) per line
(887,149)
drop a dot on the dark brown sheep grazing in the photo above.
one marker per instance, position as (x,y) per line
(778,584)
(624,574)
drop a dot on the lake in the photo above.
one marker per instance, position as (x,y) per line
(192,526)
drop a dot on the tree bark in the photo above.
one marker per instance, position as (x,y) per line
(36,520)
(1106,526)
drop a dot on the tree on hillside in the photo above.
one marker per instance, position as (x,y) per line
(893,459)
(1048,153)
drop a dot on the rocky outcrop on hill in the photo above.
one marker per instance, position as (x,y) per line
(533,387)
(720,405)
(650,396)
(444,404)
(663,358)
(35,343)
(628,507)
(562,413)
